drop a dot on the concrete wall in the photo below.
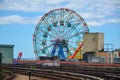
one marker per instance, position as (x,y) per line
(107,57)
(116,54)
(103,57)
(7,53)
(93,42)
(100,41)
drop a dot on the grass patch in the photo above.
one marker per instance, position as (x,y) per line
(2,72)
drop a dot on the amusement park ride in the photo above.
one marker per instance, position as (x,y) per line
(19,56)
(60,33)
(58,36)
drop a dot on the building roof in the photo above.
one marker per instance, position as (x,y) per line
(118,50)
(95,33)
(7,45)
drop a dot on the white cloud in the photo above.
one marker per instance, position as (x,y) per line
(28,5)
(13,19)
(93,11)
(54,1)
(102,21)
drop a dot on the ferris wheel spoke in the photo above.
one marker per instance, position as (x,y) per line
(62,22)
(46,22)
(45,47)
(61,15)
(71,47)
(52,29)
(48,33)
(68,16)
(75,21)
(71,30)
(55,23)
(68,21)
(73,27)
(53,19)
(73,42)
(55,16)
(44,40)
(74,35)
(48,46)
(56,33)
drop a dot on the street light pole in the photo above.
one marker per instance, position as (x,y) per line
(29,75)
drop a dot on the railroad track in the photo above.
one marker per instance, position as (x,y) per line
(107,73)
(52,74)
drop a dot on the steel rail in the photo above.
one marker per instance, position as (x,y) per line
(53,74)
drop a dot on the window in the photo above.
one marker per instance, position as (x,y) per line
(93,39)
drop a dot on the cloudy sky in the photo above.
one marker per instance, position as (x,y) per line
(18,19)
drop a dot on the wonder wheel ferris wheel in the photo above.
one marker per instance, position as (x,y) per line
(59,33)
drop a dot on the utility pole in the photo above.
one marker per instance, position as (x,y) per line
(0,58)
(29,75)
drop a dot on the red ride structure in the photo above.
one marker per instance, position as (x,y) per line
(19,55)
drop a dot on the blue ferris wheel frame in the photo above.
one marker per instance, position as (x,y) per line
(55,29)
